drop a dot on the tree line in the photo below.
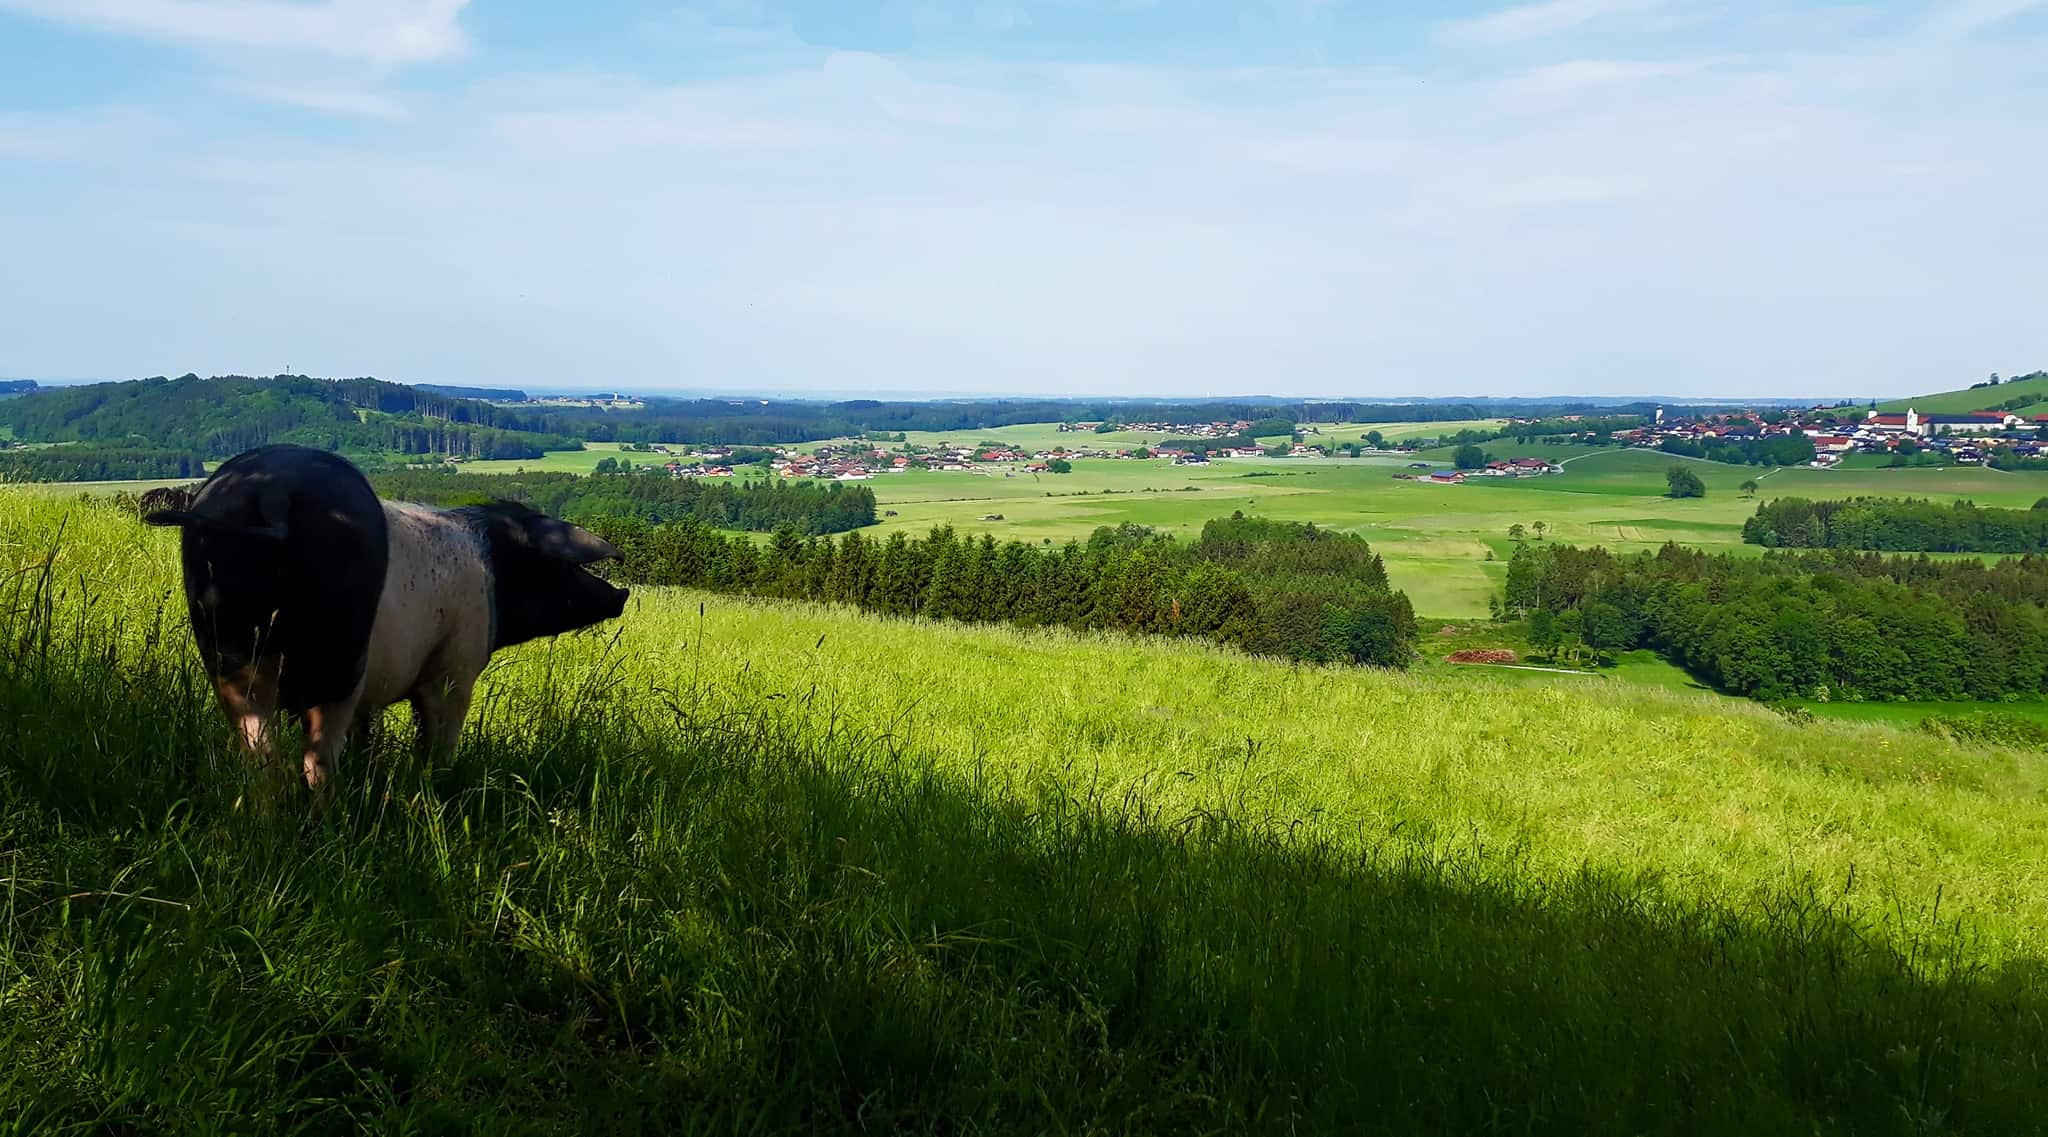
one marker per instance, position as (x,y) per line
(806,507)
(1271,588)
(1898,525)
(97,464)
(1827,624)
(221,415)
(1777,450)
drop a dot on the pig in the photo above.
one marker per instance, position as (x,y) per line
(310,595)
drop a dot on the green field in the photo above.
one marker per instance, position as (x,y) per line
(1399,431)
(1977,399)
(778,868)
(1436,538)
(1033,437)
(561,461)
(1908,714)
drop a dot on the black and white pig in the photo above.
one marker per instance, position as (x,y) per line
(310,595)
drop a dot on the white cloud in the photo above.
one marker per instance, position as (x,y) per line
(1578,75)
(75,136)
(331,97)
(1767,219)
(383,32)
(1540,20)
(1968,17)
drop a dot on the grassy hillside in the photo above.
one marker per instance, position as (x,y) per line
(768,868)
(2033,388)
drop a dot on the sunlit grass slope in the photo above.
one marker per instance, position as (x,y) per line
(1976,398)
(764,868)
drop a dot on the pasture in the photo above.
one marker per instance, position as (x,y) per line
(561,461)
(1032,437)
(1436,538)
(744,865)
(1977,399)
(1398,431)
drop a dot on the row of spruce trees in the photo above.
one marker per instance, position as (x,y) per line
(1267,587)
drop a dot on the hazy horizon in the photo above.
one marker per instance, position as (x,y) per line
(550,389)
(1571,198)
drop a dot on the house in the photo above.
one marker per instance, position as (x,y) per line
(1447,477)
(1976,422)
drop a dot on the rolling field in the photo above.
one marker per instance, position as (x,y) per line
(560,461)
(1977,399)
(1400,431)
(1047,435)
(1436,539)
(750,866)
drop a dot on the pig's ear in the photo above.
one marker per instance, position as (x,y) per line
(566,542)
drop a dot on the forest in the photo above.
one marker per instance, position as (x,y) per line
(1777,450)
(223,416)
(96,464)
(226,414)
(1271,588)
(807,507)
(1822,625)
(1898,525)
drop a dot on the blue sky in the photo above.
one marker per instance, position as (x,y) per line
(1141,197)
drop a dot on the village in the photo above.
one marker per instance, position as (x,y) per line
(1834,433)
(1838,431)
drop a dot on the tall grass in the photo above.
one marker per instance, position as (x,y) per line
(676,890)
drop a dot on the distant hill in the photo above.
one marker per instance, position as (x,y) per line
(490,394)
(227,414)
(2026,394)
(16,387)
(368,418)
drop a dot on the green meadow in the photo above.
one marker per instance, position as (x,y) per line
(1437,539)
(734,865)
(1977,399)
(1047,435)
(559,461)
(1399,431)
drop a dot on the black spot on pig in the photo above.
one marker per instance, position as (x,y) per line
(284,551)
(540,586)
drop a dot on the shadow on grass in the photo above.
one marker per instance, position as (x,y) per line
(630,910)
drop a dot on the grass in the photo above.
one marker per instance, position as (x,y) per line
(1910,714)
(1981,398)
(773,868)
